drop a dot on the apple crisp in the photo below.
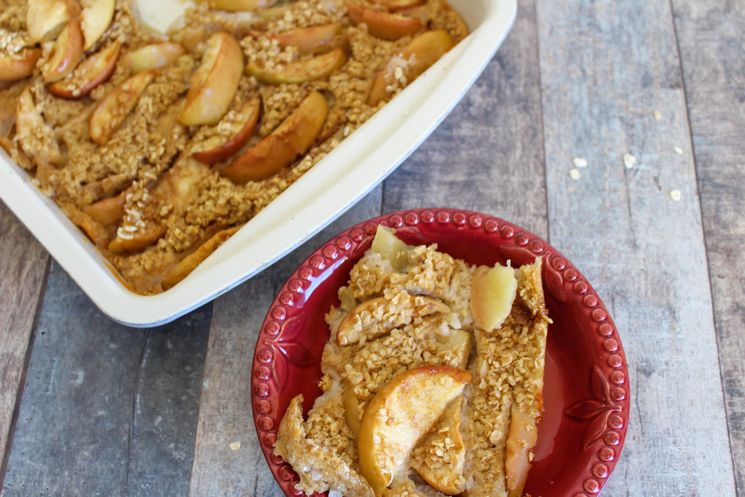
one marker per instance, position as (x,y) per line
(159,147)
(432,379)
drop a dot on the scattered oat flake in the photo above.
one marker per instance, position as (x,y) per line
(574,174)
(579,162)
(235,446)
(675,195)
(658,115)
(629,160)
(678,150)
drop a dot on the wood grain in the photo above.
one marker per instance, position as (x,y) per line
(711,37)
(488,153)
(606,67)
(22,268)
(106,410)
(227,459)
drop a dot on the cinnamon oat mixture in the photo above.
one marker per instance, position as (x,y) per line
(155,146)
(403,309)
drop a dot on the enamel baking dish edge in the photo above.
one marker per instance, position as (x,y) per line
(333,185)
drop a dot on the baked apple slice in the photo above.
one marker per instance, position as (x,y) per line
(493,292)
(155,56)
(394,5)
(215,82)
(413,60)
(235,130)
(399,414)
(383,25)
(18,65)
(273,13)
(521,440)
(46,18)
(66,53)
(352,410)
(95,19)
(300,71)
(293,137)
(191,261)
(90,73)
(138,240)
(240,5)
(116,106)
(34,135)
(440,456)
(312,39)
(391,248)
(363,320)
(107,211)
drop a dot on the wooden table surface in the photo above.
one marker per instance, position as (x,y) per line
(89,408)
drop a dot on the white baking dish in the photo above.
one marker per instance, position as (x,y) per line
(358,164)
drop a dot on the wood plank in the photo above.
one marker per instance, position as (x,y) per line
(711,37)
(488,153)
(106,410)
(225,410)
(22,268)
(606,67)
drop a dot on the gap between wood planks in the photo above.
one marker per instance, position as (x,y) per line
(23,270)
(611,86)
(710,38)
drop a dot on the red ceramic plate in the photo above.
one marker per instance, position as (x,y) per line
(586,393)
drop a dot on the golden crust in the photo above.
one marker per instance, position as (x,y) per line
(134,150)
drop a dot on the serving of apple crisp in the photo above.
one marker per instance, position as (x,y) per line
(432,379)
(160,147)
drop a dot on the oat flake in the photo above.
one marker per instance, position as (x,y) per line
(629,160)
(579,162)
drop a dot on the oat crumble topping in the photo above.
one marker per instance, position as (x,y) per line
(121,167)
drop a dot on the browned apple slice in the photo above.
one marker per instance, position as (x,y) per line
(116,106)
(493,292)
(18,65)
(34,135)
(440,456)
(399,414)
(394,5)
(391,248)
(191,261)
(300,71)
(66,53)
(154,56)
(107,211)
(291,138)
(215,82)
(352,410)
(521,440)
(407,65)
(240,5)
(133,241)
(376,317)
(272,13)
(90,73)
(236,128)
(312,39)
(383,25)
(46,18)
(95,19)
